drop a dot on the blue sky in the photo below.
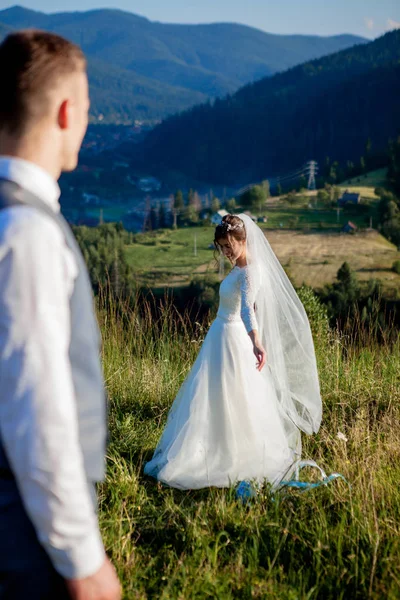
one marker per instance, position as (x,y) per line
(368,18)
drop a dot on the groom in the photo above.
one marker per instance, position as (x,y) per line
(52,402)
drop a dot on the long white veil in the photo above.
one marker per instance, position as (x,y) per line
(285,333)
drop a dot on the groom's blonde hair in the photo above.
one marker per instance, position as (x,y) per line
(32,63)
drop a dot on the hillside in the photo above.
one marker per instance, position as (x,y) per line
(324,108)
(366,184)
(187,63)
(119,95)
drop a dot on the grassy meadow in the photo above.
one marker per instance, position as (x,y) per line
(366,184)
(335,542)
(167,257)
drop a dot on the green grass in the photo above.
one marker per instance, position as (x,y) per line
(372,180)
(298,217)
(330,543)
(168,253)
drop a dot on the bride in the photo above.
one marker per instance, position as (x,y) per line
(254,384)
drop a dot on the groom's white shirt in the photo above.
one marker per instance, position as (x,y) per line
(38,416)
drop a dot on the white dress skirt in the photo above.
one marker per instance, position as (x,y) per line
(225,424)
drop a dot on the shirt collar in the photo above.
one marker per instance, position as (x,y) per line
(31,178)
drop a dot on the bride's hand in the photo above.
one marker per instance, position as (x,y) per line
(260,353)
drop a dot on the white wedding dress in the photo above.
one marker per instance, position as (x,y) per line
(226,424)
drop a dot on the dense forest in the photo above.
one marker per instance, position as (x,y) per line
(103,250)
(332,107)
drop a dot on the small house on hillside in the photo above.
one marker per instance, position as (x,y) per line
(349,198)
(217,217)
(349,227)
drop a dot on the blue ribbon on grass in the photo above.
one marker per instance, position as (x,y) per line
(308,485)
(245,490)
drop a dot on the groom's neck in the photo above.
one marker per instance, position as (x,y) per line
(37,147)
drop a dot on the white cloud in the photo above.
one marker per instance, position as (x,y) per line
(391,24)
(369,23)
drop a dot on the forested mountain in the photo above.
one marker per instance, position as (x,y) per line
(168,67)
(331,107)
(120,95)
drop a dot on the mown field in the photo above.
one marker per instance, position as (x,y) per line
(314,258)
(331,543)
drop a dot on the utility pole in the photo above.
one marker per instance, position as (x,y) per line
(312,168)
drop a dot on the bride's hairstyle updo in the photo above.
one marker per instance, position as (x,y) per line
(230,226)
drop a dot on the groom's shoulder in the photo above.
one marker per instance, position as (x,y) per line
(27,225)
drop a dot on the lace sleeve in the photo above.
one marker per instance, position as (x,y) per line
(248,293)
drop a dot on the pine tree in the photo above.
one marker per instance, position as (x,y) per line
(178,200)
(291,198)
(215,205)
(162,217)
(347,283)
(196,202)
(368,146)
(266,188)
(190,197)
(231,205)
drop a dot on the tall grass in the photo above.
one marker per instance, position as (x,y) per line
(332,542)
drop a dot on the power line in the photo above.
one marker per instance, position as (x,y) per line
(308,171)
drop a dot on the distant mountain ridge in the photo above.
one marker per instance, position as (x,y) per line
(328,107)
(184,64)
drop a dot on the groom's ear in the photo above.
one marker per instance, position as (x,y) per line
(64,114)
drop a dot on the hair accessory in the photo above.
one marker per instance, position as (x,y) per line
(230,227)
